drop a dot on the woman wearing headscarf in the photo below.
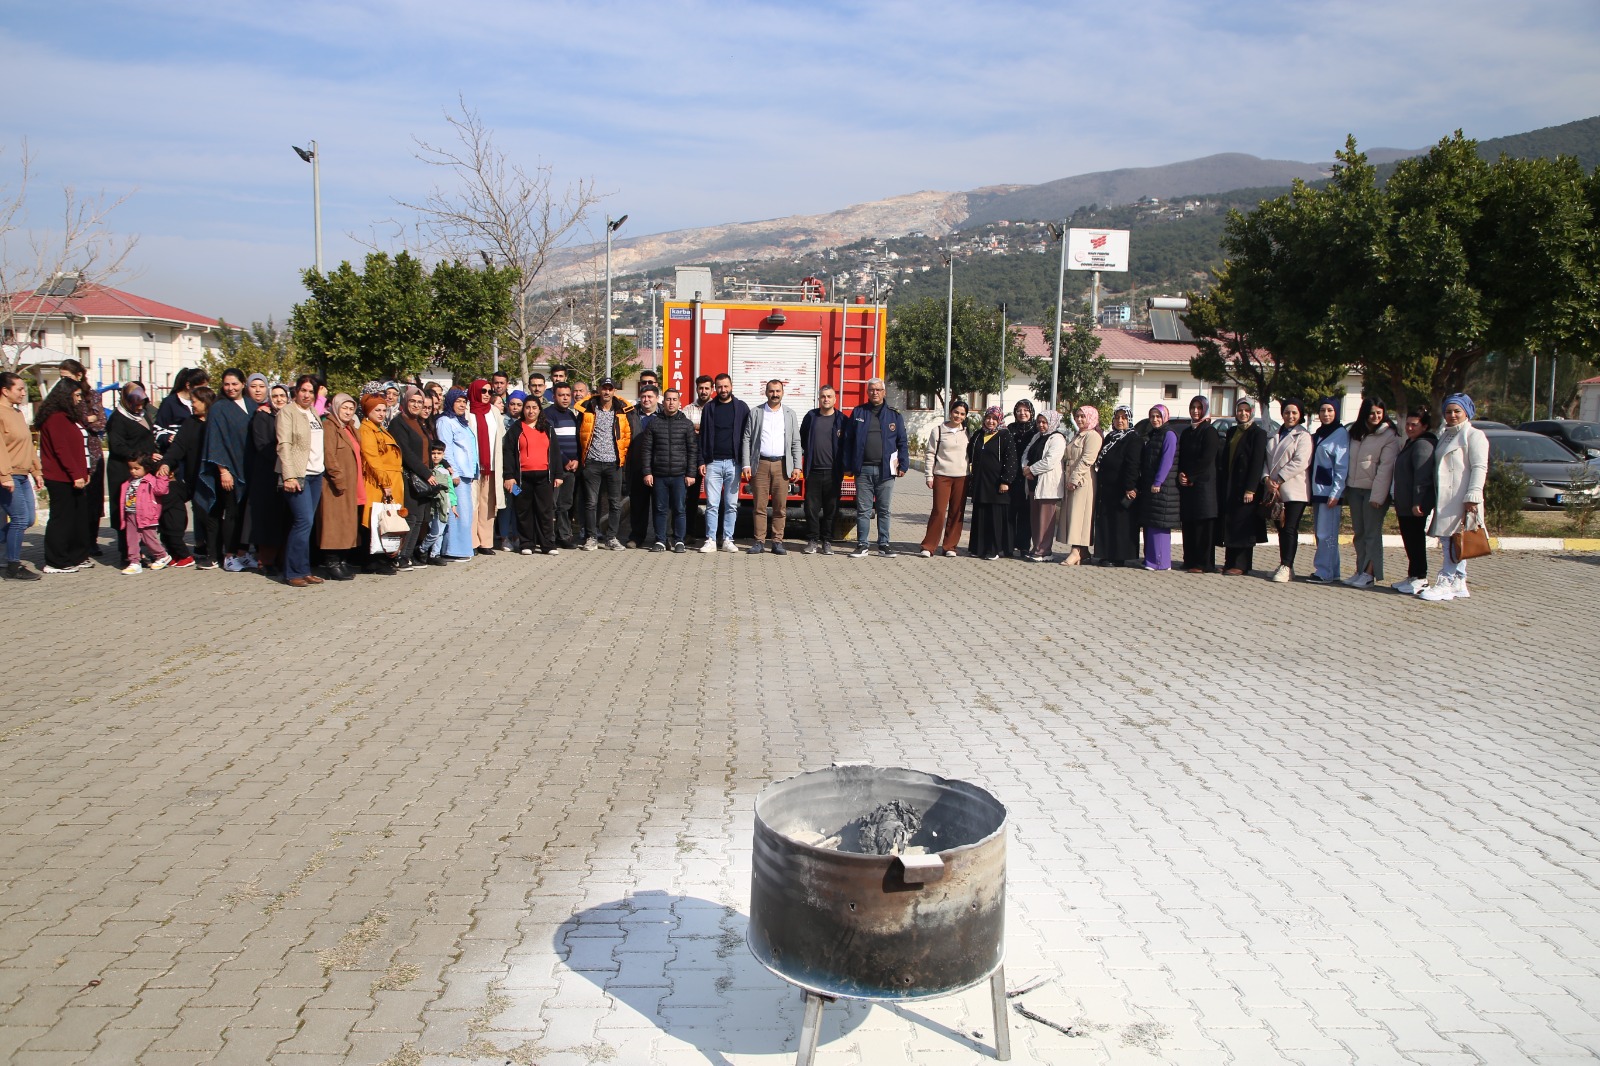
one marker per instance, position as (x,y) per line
(1158,490)
(1077,504)
(1374,443)
(344,488)
(93,419)
(992,482)
(129,435)
(1116,525)
(1041,469)
(64,461)
(1289,482)
(1461,465)
(1330,468)
(1244,464)
(419,481)
(1023,428)
(1414,496)
(381,468)
(267,513)
(1197,488)
(461,452)
(488,495)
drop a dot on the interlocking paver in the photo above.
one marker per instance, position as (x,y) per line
(1250,823)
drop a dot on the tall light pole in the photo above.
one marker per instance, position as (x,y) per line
(655,340)
(949,322)
(1002,355)
(315,159)
(1060,234)
(612,225)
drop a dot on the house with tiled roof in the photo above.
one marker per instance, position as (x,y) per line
(1589,400)
(1146,371)
(116,335)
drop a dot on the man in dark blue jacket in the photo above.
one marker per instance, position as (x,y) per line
(822,442)
(878,454)
(721,437)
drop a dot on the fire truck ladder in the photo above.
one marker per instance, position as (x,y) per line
(866,340)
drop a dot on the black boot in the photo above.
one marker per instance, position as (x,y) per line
(18,572)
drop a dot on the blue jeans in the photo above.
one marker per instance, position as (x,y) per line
(722,499)
(18,501)
(873,491)
(670,494)
(434,539)
(302,510)
(1325,523)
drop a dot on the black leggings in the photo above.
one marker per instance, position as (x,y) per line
(1289,534)
(1414,535)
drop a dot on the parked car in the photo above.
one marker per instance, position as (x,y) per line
(1551,469)
(1582,437)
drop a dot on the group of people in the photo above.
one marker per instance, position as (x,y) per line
(288,479)
(1096,491)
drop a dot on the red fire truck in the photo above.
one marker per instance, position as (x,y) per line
(788,332)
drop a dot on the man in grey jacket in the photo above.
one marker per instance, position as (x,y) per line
(771,461)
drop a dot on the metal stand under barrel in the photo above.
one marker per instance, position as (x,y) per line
(811,1025)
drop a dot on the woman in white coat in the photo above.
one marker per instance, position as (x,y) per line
(1289,483)
(1042,467)
(1461,465)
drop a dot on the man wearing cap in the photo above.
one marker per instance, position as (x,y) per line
(771,462)
(603,438)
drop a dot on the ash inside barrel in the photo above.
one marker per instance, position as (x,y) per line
(888,829)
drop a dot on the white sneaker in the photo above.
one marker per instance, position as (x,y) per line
(133,568)
(1361,580)
(250,561)
(1282,574)
(1351,580)
(708,547)
(1442,589)
(1407,587)
(233,564)
(1458,584)
(925,553)
(60,570)
(162,563)
(729,546)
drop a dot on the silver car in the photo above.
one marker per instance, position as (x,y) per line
(1551,469)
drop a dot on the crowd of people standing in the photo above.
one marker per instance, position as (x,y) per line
(283,477)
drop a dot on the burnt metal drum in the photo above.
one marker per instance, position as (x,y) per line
(878,927)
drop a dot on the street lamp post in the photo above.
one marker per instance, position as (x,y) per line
(612,225)
(1060,234)
(949,322)
(314,157)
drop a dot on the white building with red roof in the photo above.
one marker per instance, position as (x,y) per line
(1589,400)
(116,335)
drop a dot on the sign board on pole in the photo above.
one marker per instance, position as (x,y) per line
(1097,249)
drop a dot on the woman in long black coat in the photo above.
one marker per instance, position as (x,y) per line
(268,525)
(1116,515)
(1197,488)
(1243,465)
(991,481)
(1022,430)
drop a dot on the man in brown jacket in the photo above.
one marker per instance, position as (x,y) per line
(20,475)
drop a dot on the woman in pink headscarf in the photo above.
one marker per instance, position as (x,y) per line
(1077,505)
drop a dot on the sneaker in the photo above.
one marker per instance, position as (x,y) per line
(1441,590)
(708,547)
(1361,580)
(205,564)
(729,546)
(18,572)
(1282,574)
(1317,579)
(589,545)
(925,553)
(233,564)
(778,548)
(61,569)
(614,544)
(133,568)
(679,548)
(658,547)
(827,547)
(757,548)
(949,554)
(162,563)
(87,564)
(1458,584)
(1351,580)
(861,553)
(250,561)
(1406,587)
(186,563)
(886,553)
(553,551)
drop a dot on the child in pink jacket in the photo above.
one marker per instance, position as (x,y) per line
(141,510)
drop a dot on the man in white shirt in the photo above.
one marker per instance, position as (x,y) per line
(771,461)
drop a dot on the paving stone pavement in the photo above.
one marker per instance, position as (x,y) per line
(502,812)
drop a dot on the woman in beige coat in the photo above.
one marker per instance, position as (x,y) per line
(1077,505)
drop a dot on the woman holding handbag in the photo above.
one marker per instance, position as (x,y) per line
(1461,465)
(1289,483)
(381,468)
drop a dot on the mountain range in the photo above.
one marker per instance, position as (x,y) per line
(938,213)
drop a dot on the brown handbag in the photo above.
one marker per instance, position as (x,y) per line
(1471,541)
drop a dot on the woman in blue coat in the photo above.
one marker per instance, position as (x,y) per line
(461,452)
(1330,470)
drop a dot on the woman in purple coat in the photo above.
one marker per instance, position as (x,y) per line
(1158,490)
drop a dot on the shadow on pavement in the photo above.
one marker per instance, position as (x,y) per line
(682,962)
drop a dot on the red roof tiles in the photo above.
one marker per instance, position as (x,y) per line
(99,301)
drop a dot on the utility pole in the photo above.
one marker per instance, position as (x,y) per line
(315,159)
(949,322)
(611,227)
(1061,286)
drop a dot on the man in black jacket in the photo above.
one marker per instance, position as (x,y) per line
(822,444)
(669,460)
(641,497)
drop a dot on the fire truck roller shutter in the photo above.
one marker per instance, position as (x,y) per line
(756,358)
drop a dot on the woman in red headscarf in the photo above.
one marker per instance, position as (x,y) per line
(488,494)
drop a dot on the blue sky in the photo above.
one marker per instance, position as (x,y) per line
(691,113)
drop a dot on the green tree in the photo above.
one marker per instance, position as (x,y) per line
(915,347)
(1085,376)
(470,307)
(588,362)
(261,349)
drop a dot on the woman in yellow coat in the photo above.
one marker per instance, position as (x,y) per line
(380,467)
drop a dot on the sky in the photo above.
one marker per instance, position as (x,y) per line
(688,113)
